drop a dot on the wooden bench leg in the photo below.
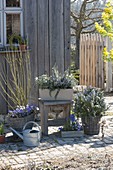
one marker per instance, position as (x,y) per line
(66,111)
(44,119)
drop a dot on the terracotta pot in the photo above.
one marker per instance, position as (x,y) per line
(2,138)
(23,47)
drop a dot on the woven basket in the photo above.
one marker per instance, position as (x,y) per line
(91,125)
(18,123)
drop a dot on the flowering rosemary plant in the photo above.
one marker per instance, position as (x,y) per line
(90,102)
(56,80)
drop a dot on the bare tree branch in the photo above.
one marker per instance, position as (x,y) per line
(84,14)
(88,1)
(73,35)
(74,16)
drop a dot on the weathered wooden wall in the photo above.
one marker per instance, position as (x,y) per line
(47,25)
(91,62)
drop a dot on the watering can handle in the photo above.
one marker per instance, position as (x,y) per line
(32,123)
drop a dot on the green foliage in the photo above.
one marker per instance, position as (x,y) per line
(1,129)
(74,71)
(90,102)
(16,39)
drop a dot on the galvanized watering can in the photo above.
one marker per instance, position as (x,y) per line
(31,137)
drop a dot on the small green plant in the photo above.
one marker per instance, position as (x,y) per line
(16,39)
(75,72)
(1,129)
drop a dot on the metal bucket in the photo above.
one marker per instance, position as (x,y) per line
(31,137)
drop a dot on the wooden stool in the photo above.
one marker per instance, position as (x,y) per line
(47,105)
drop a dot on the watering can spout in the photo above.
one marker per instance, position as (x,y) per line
(16,133)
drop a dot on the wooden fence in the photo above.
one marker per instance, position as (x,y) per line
(91,62)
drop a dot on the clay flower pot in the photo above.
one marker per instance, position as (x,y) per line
(23,47)
(2,138)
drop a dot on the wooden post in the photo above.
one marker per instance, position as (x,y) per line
(109,73)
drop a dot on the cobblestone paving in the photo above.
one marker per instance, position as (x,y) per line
(17,155)
(53,146)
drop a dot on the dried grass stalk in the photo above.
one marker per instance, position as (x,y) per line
(16,76)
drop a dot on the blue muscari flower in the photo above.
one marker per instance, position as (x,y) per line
(15,112)
(13,115)
(21,111)
(79,128)
(17,109)
(60,128)
(72,117)
(28,109)
(10,111)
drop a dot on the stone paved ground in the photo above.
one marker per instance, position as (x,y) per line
(81,151)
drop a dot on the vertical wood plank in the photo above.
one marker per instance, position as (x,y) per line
(56,33)
(93,60)
(30,19)
(97,62)
(109,71)
(43,37)
(81,64)
(66,7)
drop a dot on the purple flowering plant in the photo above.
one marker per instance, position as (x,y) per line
(22,111)
(72,124)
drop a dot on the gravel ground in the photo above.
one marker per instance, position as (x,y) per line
(84,162)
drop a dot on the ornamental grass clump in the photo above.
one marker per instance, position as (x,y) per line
(15,79)
(90,102)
